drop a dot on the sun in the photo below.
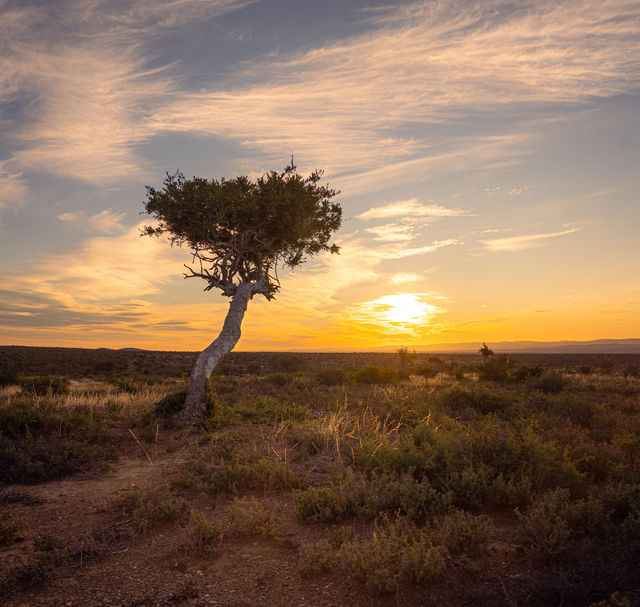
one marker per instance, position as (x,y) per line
(404,308)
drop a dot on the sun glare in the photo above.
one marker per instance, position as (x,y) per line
(404,308)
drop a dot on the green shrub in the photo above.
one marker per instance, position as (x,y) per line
(203,534)
(550,382)
(46,384)
(278,379)
(314,558)
(457,399)
(615,600)
(497,369)
(375,375)
(553,523)
(331,376)
(525,372)
(171,404)
(397,552)
(426,371)
(149,507)
(250,518)
(463,534)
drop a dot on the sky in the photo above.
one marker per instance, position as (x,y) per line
(487,155)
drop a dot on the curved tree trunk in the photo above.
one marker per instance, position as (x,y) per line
(195,406)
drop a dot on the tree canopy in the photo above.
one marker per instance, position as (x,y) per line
(241,230)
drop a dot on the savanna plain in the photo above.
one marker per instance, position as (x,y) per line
(319,479)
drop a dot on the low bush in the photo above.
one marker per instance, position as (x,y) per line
(46,384)
(457,399)
(497,368)
(375,375)
(331,376)
(203,534)
(149,507)
(396,552)
(550,382)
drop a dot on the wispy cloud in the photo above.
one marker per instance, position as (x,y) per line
(393,232)
(103,269)
(12,188)
(429,248)
(97,91)
(410,208)
(421,63)
(518,243)
(403,277)
(105,222)
(87,72)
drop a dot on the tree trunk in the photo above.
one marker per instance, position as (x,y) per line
(195,406)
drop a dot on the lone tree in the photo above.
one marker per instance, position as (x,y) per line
(239,232)
(486,351)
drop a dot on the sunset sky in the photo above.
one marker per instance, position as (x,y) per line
(487,154)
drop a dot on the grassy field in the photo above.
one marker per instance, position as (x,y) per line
(320,479)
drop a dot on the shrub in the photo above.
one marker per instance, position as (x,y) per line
(249,518)
(152,506)
(46,384)
(375,375)
(525,372)
(457,399)
(396,552)
(50,552)
(462,533)
(202,533)
(550,382)
(496,369)
(426,371)
(331,376)
(171,404)
(277,379)
(314,558)
(287,363)
(554,521)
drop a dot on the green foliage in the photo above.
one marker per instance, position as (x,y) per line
(331,376)
(43,385)
(278,379)
(486,351)
(314,558)
(405,356)
(354,496)
(615,600)
(496,369)
(149,507)
(170,404)
(550,382)
(463,534)
(24,574)
(242,229)
(554,521)
(250,518)
(203,534)
(397,552)
(458,398)
(375,375)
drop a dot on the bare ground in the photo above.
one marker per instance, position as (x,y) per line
(110,562)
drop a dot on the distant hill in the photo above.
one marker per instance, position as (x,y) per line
(596,346)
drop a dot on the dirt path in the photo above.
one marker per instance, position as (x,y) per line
(160,567)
